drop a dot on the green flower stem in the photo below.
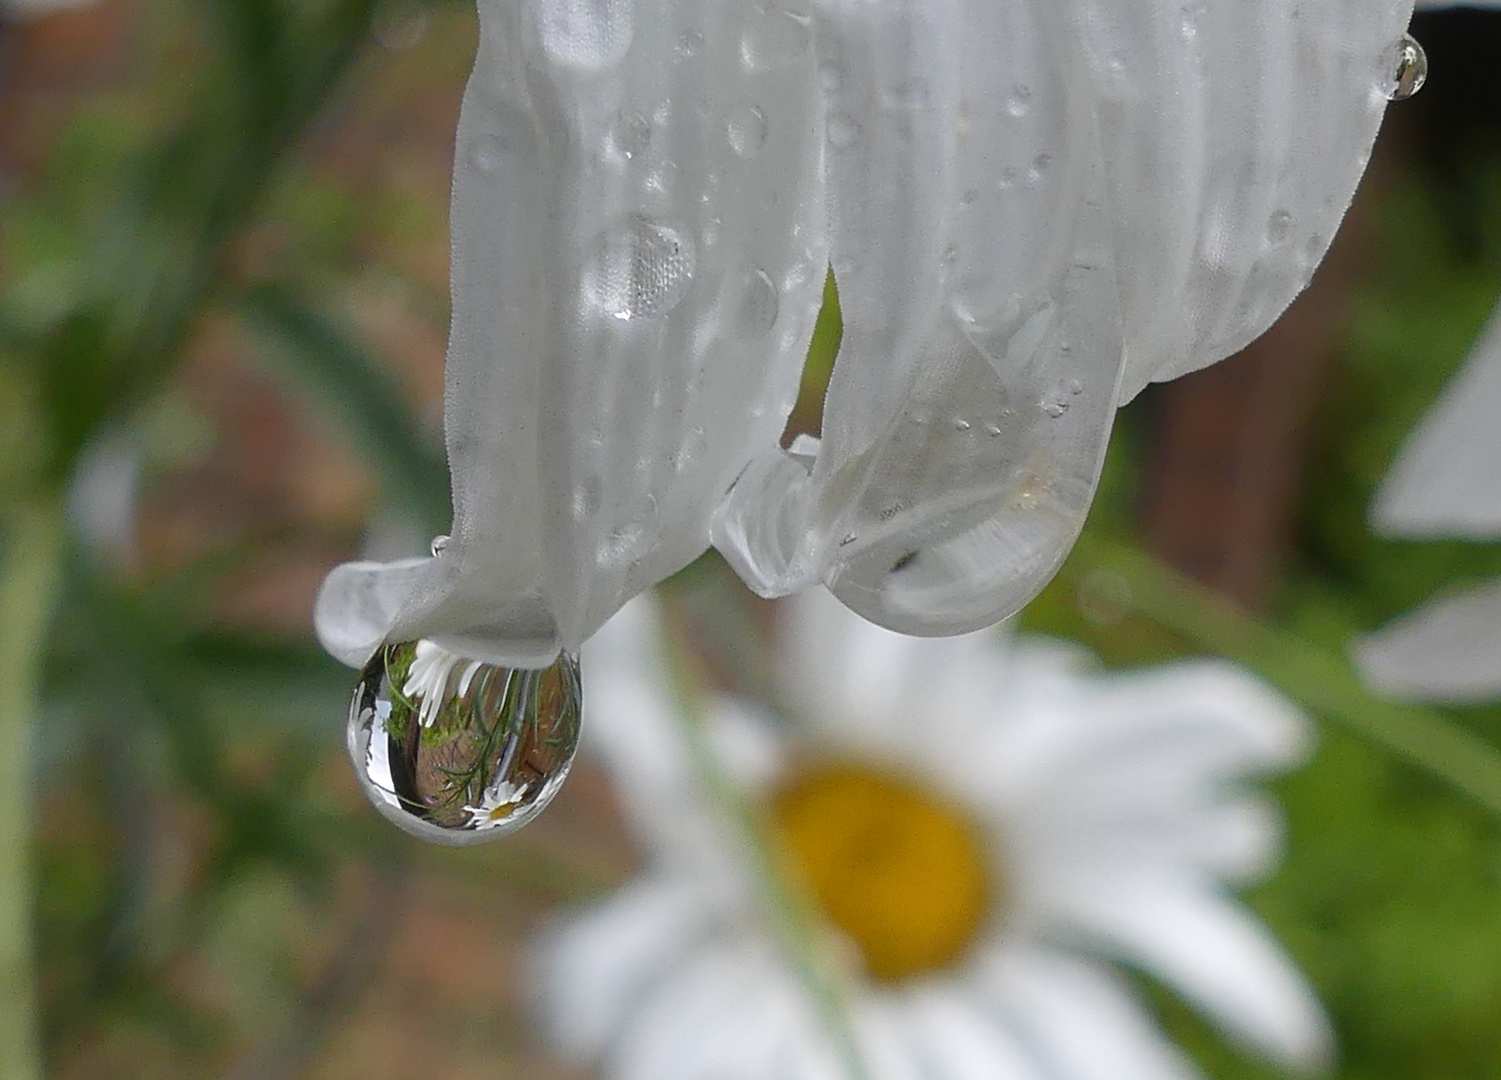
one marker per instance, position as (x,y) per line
(30,562)
(1323,681)
(782,902)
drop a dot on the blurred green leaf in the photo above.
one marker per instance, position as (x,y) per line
(328,361)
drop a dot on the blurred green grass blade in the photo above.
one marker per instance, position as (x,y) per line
(30,557)
(1322,681)
(330,363)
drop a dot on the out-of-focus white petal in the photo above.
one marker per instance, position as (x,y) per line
(1447,479)
(1447,650)
(1195,723)
(591,970)
(1079,1017)
(638,261)
(1211,950)
(956,1040)
(1236,135)
(731,1012)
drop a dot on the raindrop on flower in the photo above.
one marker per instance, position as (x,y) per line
(630,133)
(843,131)
(457,751)
(439,545)
(1404,69)
(754,306)
(747,132)
(640,268)
(485,154)
(1279,227)
(774,37)
(585,33)
(689,44)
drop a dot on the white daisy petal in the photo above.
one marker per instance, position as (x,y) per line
(1196,723)
(1081,1018)
(957,1040)
(638,262)
(1447,479)
(592,970)
(983,352)
(1212,951)
(730,1013)
(1447,650)
(1236,134)
(967,414)
(878,1026)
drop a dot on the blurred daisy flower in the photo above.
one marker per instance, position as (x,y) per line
(983,827)
(1446,482)
(1032,208)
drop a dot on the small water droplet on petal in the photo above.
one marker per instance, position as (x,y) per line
(843,131)
(747,132)
(754,303)
(1279,227)
(1404,69)
(640,268)
(585,33)
(456,751)
(486,154)
(630,133)
(774,37)
(439,545)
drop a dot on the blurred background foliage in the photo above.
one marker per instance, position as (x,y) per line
(223,283)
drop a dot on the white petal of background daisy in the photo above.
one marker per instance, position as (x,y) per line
(1446,482)
(984,827)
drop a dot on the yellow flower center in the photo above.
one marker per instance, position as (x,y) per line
(902,872)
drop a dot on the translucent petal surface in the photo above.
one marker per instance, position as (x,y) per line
(968,411)
(1036,208)
(1447,650)
(1235,135)
(1447,479)
(638,260)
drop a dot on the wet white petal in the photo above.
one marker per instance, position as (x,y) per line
(1236,134)
(1447,479)
(1447,650)
(1000,175)
(638,261)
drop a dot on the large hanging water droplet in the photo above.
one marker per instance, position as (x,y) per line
(1404,69)
(640,268)
(457,751)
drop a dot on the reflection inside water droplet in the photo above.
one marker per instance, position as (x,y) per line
(1404,69)
(456,751)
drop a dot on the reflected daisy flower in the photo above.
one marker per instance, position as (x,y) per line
(983,830)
